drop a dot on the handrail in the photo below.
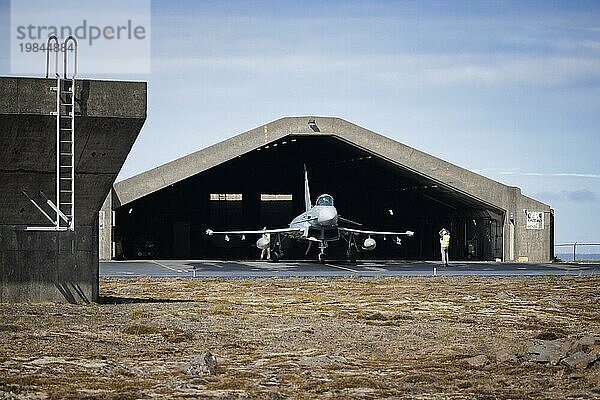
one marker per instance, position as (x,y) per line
(57,50)
(578,244)
(574,245)
(70,38)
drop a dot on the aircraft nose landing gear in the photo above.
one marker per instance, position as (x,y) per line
(322,247)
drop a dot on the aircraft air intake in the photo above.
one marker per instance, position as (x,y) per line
(327,216)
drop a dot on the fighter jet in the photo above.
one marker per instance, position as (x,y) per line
(318,224)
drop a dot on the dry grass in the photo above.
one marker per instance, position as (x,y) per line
(317,338)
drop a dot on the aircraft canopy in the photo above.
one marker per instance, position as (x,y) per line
(324,200)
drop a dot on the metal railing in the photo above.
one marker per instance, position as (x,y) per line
(53,45)
(52,49)
(73,41)
(574,246)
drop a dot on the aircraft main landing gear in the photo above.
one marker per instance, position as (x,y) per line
(275,256)
(352,249)
(277,251)
(352,253)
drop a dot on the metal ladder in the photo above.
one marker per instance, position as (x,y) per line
(64,205)
(65,151)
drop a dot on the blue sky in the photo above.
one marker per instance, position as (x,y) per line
(508,89)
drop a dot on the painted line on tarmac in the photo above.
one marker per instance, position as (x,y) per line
(376,269)
(340,267)
(166,266)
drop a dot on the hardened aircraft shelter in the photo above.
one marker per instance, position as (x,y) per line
(255,180)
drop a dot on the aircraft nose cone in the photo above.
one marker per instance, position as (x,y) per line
(327,216)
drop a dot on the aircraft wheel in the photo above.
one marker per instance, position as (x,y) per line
(274,256)
(321,257)
(352,255)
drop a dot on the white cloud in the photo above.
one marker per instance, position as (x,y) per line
(593,45)
(403,70)
(546,174)
(574,196)
(496,171)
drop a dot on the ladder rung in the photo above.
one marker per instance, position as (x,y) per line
(66,111)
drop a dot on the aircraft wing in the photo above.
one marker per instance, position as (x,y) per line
(384,233)
(285,231)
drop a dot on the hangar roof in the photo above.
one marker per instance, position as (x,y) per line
(410,160)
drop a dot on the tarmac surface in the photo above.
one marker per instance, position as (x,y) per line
(307,269)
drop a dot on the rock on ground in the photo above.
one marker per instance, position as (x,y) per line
(550,351)
(478,361)
(579,360)
(585,344)
(203,364)
(506,356)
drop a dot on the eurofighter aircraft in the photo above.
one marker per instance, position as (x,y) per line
(319,223)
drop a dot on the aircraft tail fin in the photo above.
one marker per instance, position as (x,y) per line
(306,190)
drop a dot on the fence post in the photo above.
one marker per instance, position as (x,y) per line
(574,251)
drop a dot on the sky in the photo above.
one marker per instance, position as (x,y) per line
(508,89)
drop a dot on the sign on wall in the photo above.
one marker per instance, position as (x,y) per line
(535,220)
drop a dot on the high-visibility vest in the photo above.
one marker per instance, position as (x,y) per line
(445,241)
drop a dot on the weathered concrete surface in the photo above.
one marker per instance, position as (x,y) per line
(59,266)
(531,245)
(105,225)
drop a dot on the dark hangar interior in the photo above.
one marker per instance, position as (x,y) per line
(265,188)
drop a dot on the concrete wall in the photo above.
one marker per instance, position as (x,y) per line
(105,228)
(59,266)
(533,245)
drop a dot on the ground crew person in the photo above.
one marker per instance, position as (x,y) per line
(267,250)
(444,245)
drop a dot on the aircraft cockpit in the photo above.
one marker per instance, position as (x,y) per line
(324,200)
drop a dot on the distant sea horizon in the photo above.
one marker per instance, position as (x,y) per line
(579,256)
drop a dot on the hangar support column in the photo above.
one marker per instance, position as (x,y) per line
(105,226)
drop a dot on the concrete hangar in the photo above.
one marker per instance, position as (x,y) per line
(255,179)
